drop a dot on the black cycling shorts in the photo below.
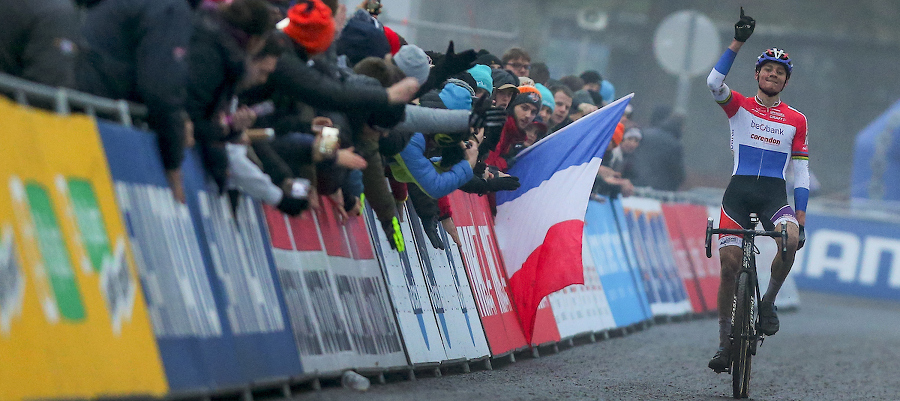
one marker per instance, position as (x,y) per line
(765,196)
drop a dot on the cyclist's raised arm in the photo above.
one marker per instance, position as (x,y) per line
(800,163)
(716,79)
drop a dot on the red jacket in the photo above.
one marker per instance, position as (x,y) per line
(510,136)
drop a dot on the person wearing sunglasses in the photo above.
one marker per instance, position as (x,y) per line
(767,135)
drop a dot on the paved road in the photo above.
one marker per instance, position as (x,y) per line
(832,348)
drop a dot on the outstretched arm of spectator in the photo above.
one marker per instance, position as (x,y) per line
(310,86)
(432,121)
(434,184)
(249,178)
(162,76)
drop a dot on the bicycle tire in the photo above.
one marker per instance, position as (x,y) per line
(741,337)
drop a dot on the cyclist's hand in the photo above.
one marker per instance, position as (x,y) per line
(802,237)
(744,27)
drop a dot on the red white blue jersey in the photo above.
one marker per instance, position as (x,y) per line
(764,139)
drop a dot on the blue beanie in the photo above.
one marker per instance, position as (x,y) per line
(483,78)
(456,97)
(546,96)
(608,91)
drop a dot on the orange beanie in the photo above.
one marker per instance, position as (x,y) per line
(618,134)
(311,25)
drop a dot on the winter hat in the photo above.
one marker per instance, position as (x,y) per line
(504,79)
(393,39)
(456,97)
(608,91)
(633,132)
(311,25)
(581,96)
(487,59)
(546,96)
(413,62)
(527,94)
(525,81)
(362,37)
(482,76)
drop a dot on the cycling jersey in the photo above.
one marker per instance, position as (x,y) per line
(763,139)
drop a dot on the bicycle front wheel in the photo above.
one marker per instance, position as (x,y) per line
(742,337)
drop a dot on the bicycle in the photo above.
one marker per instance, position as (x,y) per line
(745,335)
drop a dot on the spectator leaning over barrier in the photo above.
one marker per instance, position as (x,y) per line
(311,29)
(622,160)
(517,61)
(562,97)
(522,112)
(223,38)
(506,88)
(137,50)
(38,40)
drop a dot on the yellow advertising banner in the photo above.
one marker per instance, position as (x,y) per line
(73,321)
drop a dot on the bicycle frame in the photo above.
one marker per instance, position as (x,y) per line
(745,326)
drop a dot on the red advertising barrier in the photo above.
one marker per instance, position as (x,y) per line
(687,229)
(336,298)
(487,276)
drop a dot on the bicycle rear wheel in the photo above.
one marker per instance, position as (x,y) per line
(741,334)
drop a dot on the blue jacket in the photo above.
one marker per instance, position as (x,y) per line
(411,165)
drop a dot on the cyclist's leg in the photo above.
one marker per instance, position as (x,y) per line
(730,255)
(780,269)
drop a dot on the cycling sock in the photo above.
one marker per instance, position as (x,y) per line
(772,291)
(724,331)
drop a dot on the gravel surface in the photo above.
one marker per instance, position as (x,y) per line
(832,348)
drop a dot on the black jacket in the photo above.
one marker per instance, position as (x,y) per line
(216,64)
(38,40)
(137,50)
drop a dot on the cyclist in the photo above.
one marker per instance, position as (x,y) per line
(766,136)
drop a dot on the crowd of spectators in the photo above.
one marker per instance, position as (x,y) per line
(303,102)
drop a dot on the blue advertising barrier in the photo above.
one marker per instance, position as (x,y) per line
(631,257)
(217,311)
(852,256)
(610,257)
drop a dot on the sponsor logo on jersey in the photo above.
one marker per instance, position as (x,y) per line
(772,141)
(766,128)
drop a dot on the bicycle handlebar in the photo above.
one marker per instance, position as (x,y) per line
(772,234)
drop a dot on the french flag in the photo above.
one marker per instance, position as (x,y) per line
(540,225)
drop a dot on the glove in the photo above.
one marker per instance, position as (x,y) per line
(503,184)
(479,107)
(394,235)
(430,227)
(802,238)
(494,120)
(449,65)
(744,27)
(452,63)
(292,206)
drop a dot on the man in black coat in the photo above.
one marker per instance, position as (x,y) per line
(137,50)
(659,161)
(38,40)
